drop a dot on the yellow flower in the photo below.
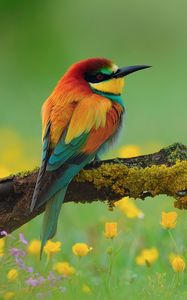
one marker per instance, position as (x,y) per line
(81,249)
(2,245)
(128,207)
(64,268)
(8,295)
(12,274)
(111,230)
(129,151)
(4,172)
(52,247)
(177,262)
(169,220)
(34,247)
(147,257)
(86,289)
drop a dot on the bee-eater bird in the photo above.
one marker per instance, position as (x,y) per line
(80,118)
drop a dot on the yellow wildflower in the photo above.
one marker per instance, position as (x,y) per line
(86,289)
(2,245)
(129,151)
(169,220)
(147,256)
(52,247)
(110,230)
(81,249)
(34,247)
(129,208)
(4,172)
(8,295)
(12,274)
(177,262)
(64,268)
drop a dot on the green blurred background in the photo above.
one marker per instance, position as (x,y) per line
(40,39)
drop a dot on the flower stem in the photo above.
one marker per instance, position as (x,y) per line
(173,240)
(177,281)
(110,268)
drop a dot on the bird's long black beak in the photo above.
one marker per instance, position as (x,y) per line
(128,70)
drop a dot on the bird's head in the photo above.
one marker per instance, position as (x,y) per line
(102,75)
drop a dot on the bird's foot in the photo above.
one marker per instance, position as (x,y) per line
(96,160)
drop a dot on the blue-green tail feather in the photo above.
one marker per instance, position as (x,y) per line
(52,210)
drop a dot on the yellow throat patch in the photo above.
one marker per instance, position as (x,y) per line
(112,86)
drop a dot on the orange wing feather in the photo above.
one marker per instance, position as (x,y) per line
(98,136)
(58,111)
(89,114)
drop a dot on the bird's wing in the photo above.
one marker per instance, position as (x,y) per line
(42,170)
(70,154)
(54,122)
(88,116)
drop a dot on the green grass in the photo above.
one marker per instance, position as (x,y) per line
(85,223)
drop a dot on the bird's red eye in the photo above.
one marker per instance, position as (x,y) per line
(99,77)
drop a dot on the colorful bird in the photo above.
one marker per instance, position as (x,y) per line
(79,119)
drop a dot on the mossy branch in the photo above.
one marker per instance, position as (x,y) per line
(164,172)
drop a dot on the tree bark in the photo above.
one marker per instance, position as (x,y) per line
(164,172)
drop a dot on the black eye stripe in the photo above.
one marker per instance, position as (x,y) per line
(98,77)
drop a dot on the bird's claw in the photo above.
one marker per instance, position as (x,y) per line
(145,194)
(182,193)
(96,160)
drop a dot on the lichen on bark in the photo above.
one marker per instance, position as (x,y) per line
(122,179)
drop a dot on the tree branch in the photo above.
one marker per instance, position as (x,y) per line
(164,172)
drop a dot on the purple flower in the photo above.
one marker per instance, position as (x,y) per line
(32,282)
(20,263)
(4,233)
(30,269)
(51,275)
(41,280)
(22,239)
(52,278)
(17,252)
